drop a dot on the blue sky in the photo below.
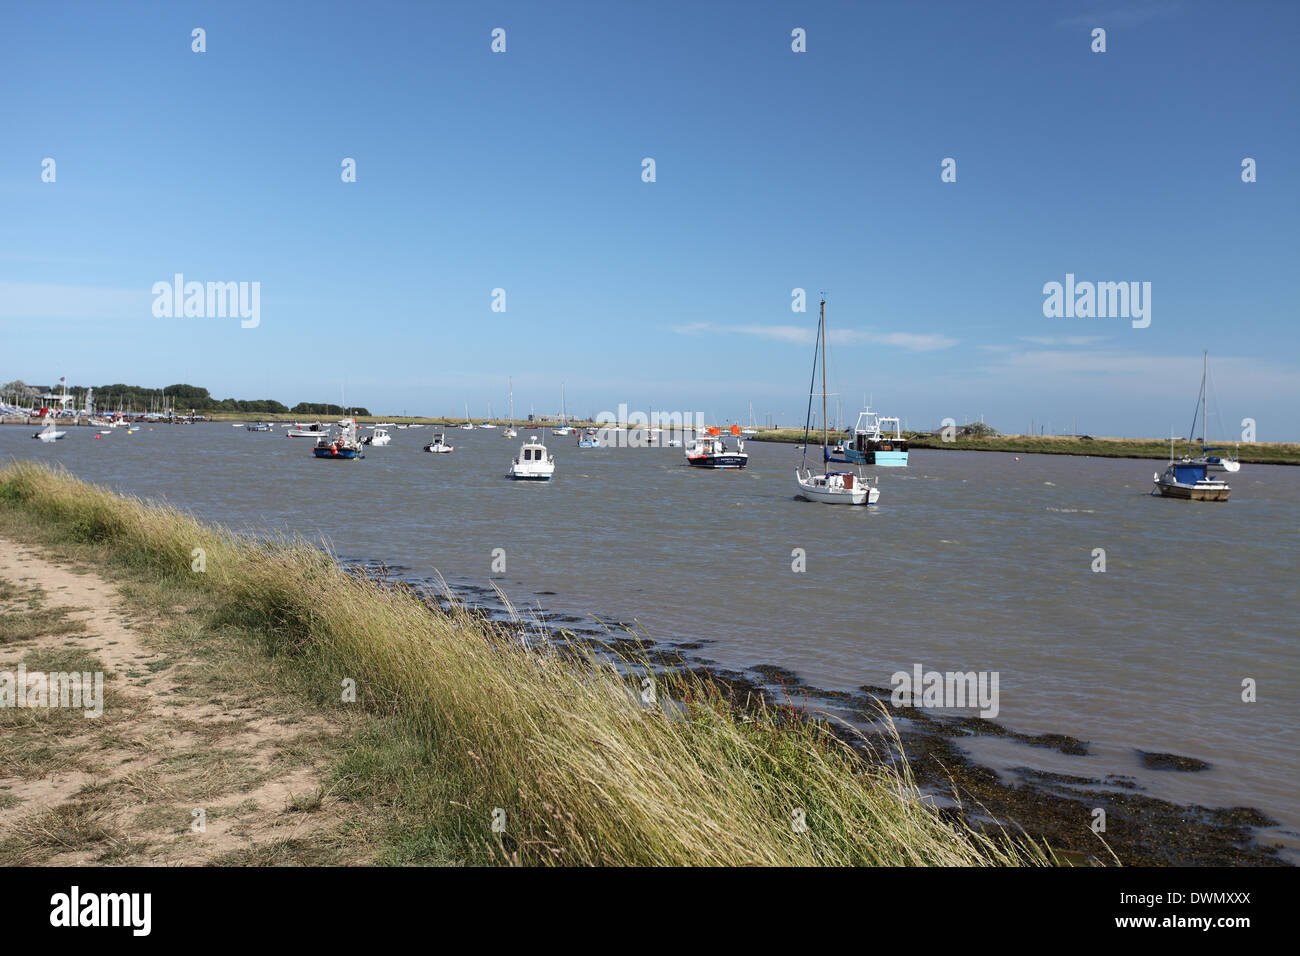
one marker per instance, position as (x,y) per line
(774,170)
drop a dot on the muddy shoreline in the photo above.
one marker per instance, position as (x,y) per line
(1057,807)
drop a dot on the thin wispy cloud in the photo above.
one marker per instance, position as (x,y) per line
(1058,341)
(799,335)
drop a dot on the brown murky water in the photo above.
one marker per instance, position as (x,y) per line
(971,561)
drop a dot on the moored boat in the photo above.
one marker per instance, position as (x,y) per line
(439,445)
(343,446)
(871,443)
(49,432)
(315,430)
(828,487)
(533,463)
(710,451)
(1188,480)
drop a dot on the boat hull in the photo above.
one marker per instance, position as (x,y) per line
(832,492)
(1210,491)
(728,461)
(877,457)
(344,454)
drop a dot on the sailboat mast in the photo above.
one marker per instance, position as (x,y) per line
(824,422)
(1205,411)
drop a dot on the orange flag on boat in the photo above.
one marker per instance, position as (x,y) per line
(713,429)
(735,429)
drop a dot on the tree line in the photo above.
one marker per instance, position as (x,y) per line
(180,398)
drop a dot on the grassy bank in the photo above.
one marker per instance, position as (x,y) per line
(1259,453)
(476,723)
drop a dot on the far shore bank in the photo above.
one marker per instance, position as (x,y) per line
(1258,453)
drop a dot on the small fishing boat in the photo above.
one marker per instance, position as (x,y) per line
(343,446)
(439,445)
(1189,480)
(829,487)
(870,442)
(710,451)
(378,437)
(259,427)
(589,439)
(533,463)
(315,430)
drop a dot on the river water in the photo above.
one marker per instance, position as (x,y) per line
(970,561)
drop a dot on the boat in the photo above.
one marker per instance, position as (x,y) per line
(439,445)
(829,487)
(469,425)
(1188,480)
(344,444)
(259,427)
(510,431)
(378,437)
(489,423)
(314,430)
(565,428)
(871,442)
(533,463)
(589,439)
(1211,462)
(710,451)
(49,432)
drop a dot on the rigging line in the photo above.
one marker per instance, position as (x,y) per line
(811,385)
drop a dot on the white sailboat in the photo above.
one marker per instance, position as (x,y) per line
(469,425)
(1211,462)
(510,429)
(829,487)
(564,428)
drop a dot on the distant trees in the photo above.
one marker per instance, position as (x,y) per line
(180,397)
(321,408)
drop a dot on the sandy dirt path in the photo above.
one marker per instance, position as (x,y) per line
(123,788)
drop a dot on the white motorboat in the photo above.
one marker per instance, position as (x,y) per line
(49,432)
(439,445)
(533,463)
(378,437)
(315,430)
(829,487)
